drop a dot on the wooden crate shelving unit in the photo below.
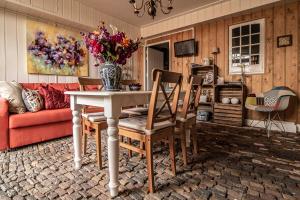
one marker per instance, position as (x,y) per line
(202,71)
(229,114)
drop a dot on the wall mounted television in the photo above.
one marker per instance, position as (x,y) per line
(185,48)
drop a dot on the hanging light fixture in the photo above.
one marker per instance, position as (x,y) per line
(151,6)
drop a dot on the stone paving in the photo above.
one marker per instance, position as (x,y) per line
(233,163)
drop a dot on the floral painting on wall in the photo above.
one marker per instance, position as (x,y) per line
(55,50)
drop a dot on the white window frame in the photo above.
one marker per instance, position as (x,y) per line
(254,68)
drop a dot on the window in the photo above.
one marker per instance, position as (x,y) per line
(246,46)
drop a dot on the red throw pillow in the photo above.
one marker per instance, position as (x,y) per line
(67,96)
(54,99)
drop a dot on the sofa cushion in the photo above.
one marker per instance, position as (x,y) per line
(54,99)
(33,100)
(12,92)
(39,118)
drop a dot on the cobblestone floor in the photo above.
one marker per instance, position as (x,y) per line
(232,164)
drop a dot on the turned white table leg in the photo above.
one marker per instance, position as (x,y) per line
(76,112)
(113,155)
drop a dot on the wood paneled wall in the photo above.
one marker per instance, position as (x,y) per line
(211,11)
(282,65)
(13,63)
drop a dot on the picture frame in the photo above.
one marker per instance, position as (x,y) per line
(284,41)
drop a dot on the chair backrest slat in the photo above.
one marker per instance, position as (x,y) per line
(83,82)
(193,91)
(161,78)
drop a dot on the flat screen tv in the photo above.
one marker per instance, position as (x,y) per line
(185,48)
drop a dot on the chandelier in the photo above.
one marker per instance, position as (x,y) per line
(151,6)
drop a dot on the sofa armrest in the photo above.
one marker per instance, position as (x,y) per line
(4,114)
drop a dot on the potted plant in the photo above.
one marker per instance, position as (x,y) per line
(112,50)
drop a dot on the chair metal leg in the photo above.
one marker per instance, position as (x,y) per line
(278,122)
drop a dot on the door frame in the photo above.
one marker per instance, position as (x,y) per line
(146,57)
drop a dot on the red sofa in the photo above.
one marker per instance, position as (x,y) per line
(22,129)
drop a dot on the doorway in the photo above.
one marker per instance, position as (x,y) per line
(157,56)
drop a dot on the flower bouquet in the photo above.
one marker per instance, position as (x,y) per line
(111,50)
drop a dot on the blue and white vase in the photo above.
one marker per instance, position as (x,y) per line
(111,76)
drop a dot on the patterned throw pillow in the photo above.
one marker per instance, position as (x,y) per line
(54,99)
(12,92)
(33,100)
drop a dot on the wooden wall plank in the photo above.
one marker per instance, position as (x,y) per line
(279,53)
(11,46)
(221,45)
(227,23)
(67,9)
(51,6)
(298,97)
(2,46)
(205,41)
(38,3)
(198,36)
(75,10)
(267,82)
(21,39)
(291,59)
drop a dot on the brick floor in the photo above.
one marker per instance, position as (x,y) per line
(233,164)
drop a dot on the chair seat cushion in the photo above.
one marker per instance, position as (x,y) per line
(188,116)
(94,117)
(136,111)
(260,108)
(99,116)
(139,123)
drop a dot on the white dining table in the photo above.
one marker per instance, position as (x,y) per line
(112,103)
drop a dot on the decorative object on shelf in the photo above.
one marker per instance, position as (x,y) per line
(220,80)
(135,87)
(150,6)
(215,51)
(207,61)
(209,78)
(203,98)
(112,50)
(284,41)
(203,115)
(234,100)
(55,50)
(226,100)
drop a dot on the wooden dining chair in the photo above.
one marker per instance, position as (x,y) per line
(133,110)
(154,127)
(92,122)
(186,117)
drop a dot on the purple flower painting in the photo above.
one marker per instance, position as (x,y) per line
(53,50)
